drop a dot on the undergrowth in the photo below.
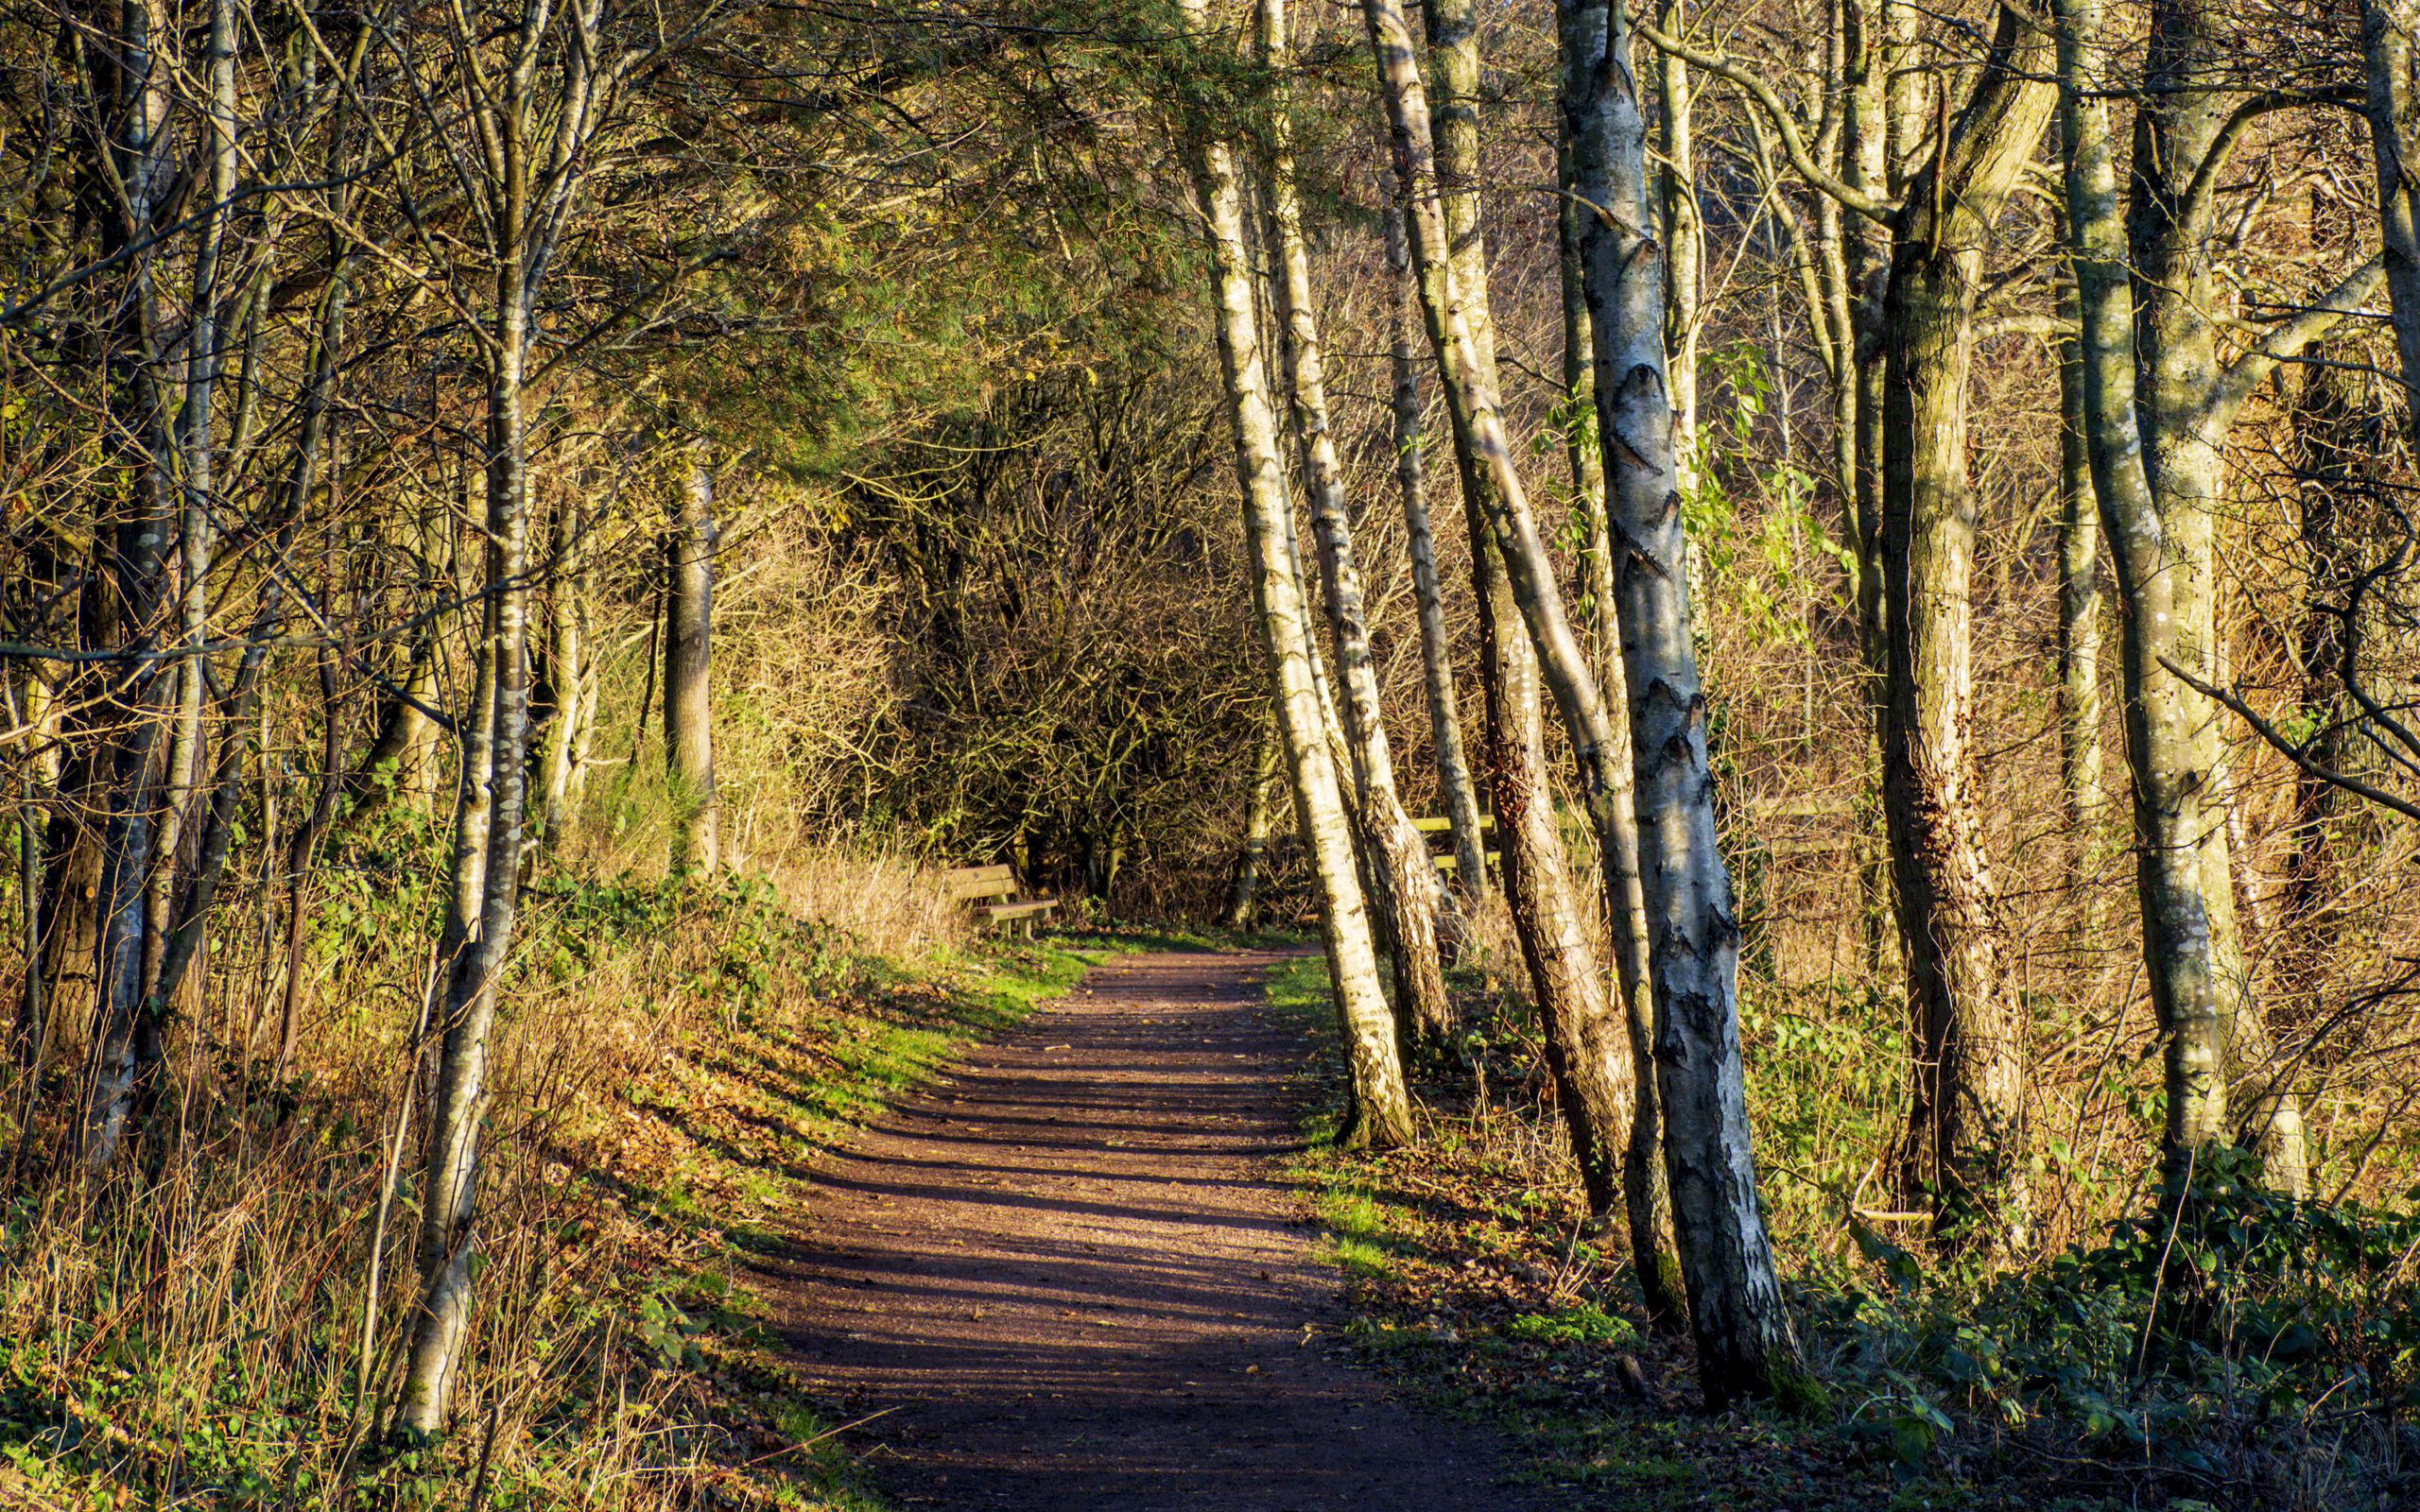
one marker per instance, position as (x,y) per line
(2233,1351)
(202,1328)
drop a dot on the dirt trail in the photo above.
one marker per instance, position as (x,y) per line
(1075,1277)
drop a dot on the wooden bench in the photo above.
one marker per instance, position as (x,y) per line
(997,896)
(1439,827)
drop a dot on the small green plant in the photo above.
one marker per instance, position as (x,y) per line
(1580,1323)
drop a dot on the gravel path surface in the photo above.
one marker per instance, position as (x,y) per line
(1072,1277)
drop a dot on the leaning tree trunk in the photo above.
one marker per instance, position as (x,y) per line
(1435,643)
(1436,156)
(1741,1325)
(688,710)
(1380,1115)
(1405,877)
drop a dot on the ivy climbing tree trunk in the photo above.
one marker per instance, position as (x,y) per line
(1964,1145)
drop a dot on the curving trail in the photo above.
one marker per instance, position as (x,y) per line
(1074,1275)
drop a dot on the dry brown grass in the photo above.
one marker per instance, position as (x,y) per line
(199,1326)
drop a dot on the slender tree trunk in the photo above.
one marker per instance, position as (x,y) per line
(136,573)
(38,779)
(1583,453)
(688,710)
(478,937)
(1736,1307)
(2388,29)
(196,533)
(2080,758)
(1436,646)
(1380,1115)
(1436,162)
(1406,878)
(567,669)
(1865,267)
(1243,896)
(1683,238)
(1624,890)
(1436,149)
(2336,439)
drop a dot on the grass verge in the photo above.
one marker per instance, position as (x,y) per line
(199,1331)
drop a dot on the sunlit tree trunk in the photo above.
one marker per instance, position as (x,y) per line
(450,1204)
(1624,891)
(1864,272)
(689,708)
(2159,404)
(567,669)
(1243,893)
(538,124)
(198,451)
(1380,1114)
(129,154)
(1676,191)
(2187,402)
(2388,31)
(1436,644)
(1406,877)
(1436,160)
(2080,756)
(1736,1311)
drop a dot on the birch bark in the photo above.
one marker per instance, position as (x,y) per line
(1436,644)
(1380,1114)
(1736,1307)
(688,651)
(1406,879)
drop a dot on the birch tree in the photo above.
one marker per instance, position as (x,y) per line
(1736,1307)
(1436,163)
(1405,880)
(1380,1111)
(1436,647)
(688,651)
(537,94)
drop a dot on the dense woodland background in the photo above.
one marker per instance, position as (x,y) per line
(396,401)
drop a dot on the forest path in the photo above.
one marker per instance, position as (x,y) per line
(1073,1277)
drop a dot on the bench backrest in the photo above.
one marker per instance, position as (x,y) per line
(970,882)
